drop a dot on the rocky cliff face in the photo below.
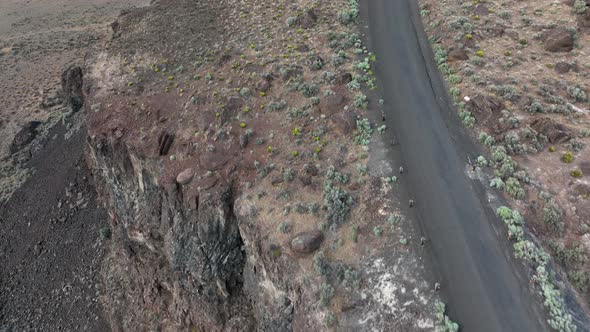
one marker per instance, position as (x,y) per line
(185,256)
(185,260)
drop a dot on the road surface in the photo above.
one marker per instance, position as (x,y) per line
(481,283)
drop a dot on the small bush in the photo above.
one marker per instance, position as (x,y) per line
(486,139)
(445,323)
(326,294)
(567,157)
(467,118)
(481,161)
(377,230)
(360,100)
(105,233)
(337,202)
(288,175)
(506,91)
(580,7)
(553,215)
(350,14)
(576,173)
(514,189)
(330,319)
(497,183)
(354,233)
(321,264)
(536,107)
(364,131)
(577,93)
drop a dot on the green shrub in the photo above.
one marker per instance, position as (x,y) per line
(455,79)
(486,139)
(284,227)
(288,175)
(580,279)
(467,118)
(354,233)
(506,91)
(330,319)
(567,157)
(326,294)
(364,131)
(553,215)
(337,202)
(514,189)
(105,233)
(350,14)
(577,93)
(321,264)
(445,323)
(482,162)
(377,230)
(497,183)
(580,6)
(559,319)
(360,100)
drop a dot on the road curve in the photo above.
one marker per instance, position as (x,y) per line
(480,281)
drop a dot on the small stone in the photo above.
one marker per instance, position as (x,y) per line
(118,133)
(307,242)
(185,176)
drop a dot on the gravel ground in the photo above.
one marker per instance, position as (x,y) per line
(50,247)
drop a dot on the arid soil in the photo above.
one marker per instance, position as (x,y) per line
(51,248)
(39,39)
(519,73)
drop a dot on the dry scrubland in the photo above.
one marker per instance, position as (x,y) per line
(519,73)
(258,120)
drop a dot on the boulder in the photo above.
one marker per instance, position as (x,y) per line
(333,103)
(263,85)
(185,176)
(558,40)
(307,19)
(555,132)
(485,108)
(213,161)
(562,67)
(457,53)
(481,10)
(71,84)
(344,78)
(344,122)
(307,242)
(24,136)
(584,21)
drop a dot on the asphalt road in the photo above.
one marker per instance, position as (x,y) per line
(481,283)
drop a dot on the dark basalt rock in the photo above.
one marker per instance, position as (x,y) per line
(71,84)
